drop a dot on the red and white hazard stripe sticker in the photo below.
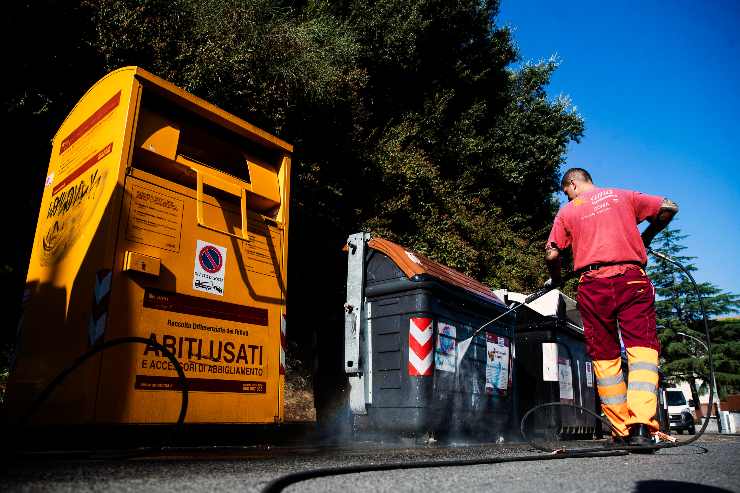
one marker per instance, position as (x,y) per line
(282,344)
(420,346)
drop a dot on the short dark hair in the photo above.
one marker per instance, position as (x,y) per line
(576,173)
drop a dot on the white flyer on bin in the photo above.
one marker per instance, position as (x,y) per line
(565,376)
(589,375)
(550,362)
(497,363)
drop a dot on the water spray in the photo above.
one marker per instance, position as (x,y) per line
(464,345)
(282,482)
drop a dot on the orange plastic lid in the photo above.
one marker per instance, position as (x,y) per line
(413,263)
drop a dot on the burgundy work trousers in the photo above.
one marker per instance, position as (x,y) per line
(628,299)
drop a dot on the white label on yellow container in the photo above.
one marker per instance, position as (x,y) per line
(210,268)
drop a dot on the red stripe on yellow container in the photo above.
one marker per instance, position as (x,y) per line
(95,159)
(88,124)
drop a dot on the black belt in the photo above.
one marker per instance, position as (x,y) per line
(608,264)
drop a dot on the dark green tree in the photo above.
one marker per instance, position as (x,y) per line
(411,119)
(726,352)
(678,310)
(464,148)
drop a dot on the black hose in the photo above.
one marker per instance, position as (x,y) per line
(585,450)
(666,258)
(49,389)
(282,482)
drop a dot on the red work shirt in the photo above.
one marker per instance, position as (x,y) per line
(601,226)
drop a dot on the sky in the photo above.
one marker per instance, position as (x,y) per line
(658,85)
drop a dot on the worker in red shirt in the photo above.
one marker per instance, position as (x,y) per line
(614,293)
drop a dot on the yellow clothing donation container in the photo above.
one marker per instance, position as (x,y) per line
(162,217)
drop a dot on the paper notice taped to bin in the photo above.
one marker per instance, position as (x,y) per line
(210,268)
(589,375)
(497,363)
(445,353)
(565,377)
(549,362)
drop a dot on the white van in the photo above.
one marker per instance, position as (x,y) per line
(679,411)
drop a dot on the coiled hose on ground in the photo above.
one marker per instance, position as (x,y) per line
(280,483)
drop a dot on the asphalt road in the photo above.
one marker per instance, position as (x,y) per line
(712,465)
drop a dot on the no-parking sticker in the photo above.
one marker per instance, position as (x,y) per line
(210,268)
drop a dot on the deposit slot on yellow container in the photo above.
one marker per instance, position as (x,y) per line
(163,217)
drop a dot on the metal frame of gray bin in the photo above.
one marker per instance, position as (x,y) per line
(445,401)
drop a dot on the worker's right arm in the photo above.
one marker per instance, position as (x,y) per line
(558,240)
(552,259)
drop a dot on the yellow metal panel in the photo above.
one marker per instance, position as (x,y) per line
(227,342)
(157,135)
(83,174)
(135,240)
(265,181)
(283,222)
(67,284)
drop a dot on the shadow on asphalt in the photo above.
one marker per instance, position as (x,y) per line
(657,486)
(690,449)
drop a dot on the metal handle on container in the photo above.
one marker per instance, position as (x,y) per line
(213,180)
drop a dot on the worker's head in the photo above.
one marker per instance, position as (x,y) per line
(576,181)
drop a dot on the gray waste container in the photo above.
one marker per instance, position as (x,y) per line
(552,366)
(414,313)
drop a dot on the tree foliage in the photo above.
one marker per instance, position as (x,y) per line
(726,355)
(678,310)
(412,119)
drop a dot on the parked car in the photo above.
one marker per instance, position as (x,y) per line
(679,411)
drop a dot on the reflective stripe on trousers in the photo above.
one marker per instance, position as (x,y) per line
(612,392)
(642,391)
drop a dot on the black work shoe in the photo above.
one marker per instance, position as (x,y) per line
(620,440)
(640,436)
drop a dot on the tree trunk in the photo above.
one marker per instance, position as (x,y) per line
(695,397)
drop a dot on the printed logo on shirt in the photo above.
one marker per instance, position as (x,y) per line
(600,202)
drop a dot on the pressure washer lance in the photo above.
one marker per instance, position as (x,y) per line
(464,345)
(278,484)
